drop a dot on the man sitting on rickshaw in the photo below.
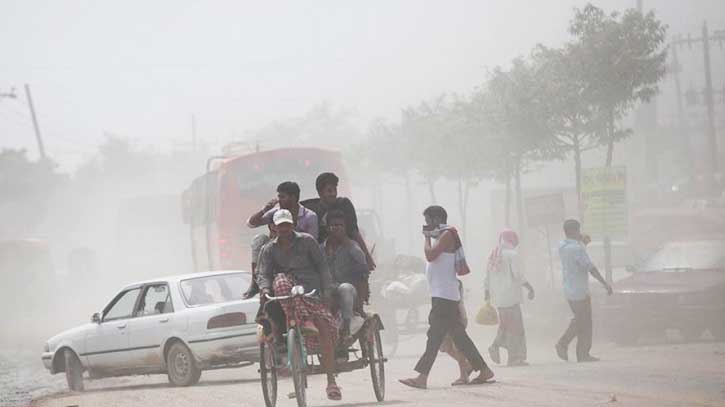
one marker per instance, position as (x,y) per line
(294,258)
(348,267)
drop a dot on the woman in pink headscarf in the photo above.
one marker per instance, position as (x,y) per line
(504,279)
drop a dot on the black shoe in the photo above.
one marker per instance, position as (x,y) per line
(588,358)
(562,352)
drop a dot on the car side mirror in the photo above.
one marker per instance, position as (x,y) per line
(96,318)
(630,269)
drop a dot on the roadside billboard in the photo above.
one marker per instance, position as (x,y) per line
(604,201)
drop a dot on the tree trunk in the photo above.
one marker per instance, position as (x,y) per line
(460,203)
(521,223)
(610,144)
(466,193)
(463,204)
(519,200)
(508,201)
(578,175)
(408,210)
(432,190)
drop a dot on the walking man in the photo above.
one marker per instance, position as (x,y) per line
(576,267)
(445,318)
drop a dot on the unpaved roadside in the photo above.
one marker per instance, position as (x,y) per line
(656,375)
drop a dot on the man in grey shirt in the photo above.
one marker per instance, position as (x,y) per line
(348,266)
(294,258)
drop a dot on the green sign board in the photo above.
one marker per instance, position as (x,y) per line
(604,200)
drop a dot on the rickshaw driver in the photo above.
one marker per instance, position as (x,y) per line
(294,258)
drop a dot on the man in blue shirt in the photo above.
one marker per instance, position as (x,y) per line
(576,267)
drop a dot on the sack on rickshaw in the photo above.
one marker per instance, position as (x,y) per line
(487,315)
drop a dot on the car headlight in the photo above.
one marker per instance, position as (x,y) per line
(46,348)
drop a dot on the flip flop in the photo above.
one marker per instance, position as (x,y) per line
(459,382)
(479,380)
(412,383)
(333,392)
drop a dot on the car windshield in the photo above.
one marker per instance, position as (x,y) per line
(686,256)
(215,289)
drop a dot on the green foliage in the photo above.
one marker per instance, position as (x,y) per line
(621,59)
(22,180)
(27,189)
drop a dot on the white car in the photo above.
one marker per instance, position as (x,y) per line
(178,325)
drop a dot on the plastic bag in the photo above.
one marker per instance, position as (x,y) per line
(487,315)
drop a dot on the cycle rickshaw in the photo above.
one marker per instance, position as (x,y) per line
(299,364)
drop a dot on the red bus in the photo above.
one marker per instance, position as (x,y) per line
(217,204)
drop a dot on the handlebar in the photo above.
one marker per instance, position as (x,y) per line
(286,297)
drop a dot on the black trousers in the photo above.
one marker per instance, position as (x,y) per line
(445,319)
(580,327)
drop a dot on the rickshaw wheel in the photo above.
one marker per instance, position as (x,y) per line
(297,366)
(377,361)
(268,373)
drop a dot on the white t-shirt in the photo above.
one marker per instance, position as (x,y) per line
(504,283)
(442,279)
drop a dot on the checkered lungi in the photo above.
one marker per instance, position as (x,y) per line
(307,309)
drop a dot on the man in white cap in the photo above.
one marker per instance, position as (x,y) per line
(293,258)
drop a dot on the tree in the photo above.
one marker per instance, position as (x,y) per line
(27,189)
(624,60)
(120,165)
(573,116)
(422,128)
(513,106)
(383,157)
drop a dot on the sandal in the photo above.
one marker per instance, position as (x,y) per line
(412,383)
(333,392)
(485,378)
(480,380)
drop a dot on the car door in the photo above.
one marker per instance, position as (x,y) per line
(107,346)
(152,324)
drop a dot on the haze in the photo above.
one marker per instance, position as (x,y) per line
(140,69)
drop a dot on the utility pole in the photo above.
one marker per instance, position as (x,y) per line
(711,136)
(676,69)
(38,137)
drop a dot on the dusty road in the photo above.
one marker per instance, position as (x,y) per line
(653,375)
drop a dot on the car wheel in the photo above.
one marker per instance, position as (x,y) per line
(181,366)
(73,370)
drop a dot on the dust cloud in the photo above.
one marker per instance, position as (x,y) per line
(413,106)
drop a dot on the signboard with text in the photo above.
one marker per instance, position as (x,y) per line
(604,200)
